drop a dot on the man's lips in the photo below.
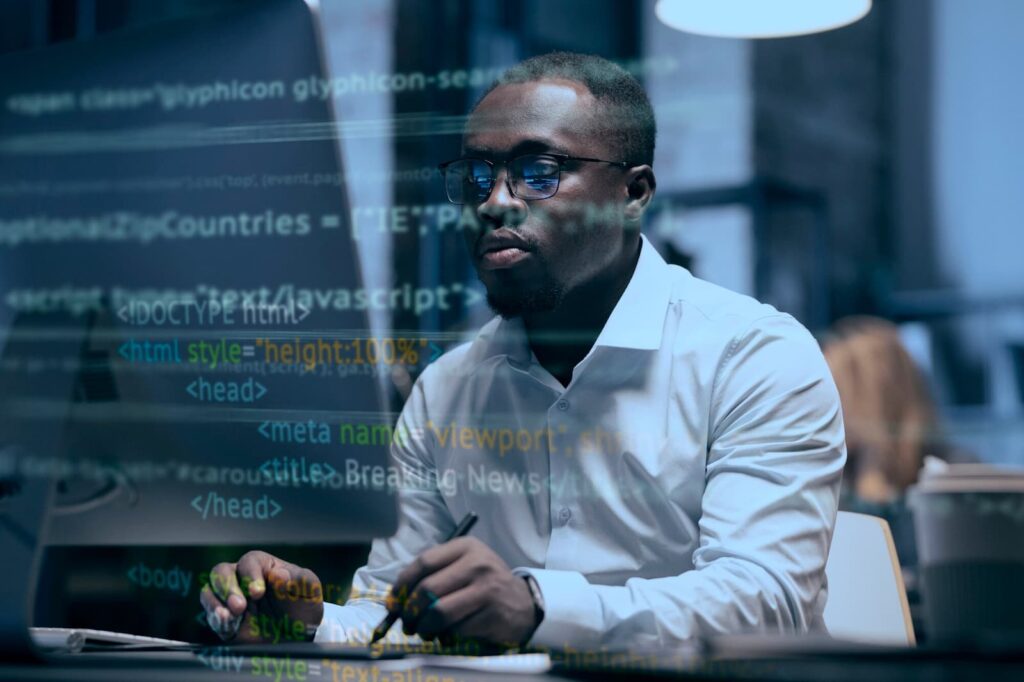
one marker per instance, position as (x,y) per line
(501,249)
(503,258)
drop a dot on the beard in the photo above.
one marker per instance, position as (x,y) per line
(508,300)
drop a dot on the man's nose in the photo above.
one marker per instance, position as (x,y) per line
(501,208)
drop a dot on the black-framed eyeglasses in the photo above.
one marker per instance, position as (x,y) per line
(530,176)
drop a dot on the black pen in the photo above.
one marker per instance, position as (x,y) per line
(460,530)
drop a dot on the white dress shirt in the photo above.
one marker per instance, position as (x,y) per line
(683,485)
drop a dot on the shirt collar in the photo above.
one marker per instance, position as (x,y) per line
(638,319)
(636,322)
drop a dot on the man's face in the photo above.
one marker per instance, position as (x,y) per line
(530,253)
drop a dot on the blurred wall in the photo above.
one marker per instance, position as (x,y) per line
(703,103)
(804,116)
(978,183)
(821,126)
(978,101)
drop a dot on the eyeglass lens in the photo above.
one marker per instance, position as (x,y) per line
(470,181)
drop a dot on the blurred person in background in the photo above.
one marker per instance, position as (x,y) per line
(890,416)
(891,423)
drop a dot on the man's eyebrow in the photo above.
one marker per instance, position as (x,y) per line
(530,146)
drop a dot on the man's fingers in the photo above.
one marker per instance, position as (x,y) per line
(448,612)
(286,581)
(249,630)
(307,583)
(418,604)
(218,617)
(208,599)
(254,570)
(224,582)
(451,578)
(216,610)
(427,563)
(420,612)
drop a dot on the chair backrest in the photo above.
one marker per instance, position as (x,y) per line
(866,598)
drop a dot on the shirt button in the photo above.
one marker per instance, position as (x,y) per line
(563,405)
(564,515)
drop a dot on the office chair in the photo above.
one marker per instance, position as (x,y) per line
(867,602)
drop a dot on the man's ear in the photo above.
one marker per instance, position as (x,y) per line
(640,186)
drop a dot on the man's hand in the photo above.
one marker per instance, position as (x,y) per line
(263,599)
(463,588)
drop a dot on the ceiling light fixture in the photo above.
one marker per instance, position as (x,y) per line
(759,18)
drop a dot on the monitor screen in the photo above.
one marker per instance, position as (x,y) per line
(232,382)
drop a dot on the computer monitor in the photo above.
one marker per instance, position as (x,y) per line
(171,227)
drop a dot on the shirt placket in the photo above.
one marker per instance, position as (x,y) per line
(563,507)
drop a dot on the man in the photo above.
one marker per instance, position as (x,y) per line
(684,444)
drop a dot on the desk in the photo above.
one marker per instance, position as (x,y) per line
(181,665)
(912,665)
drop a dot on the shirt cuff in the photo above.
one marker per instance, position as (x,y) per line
(571,609)
(354,623)
(330,629)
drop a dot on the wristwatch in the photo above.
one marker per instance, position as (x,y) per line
(538,599)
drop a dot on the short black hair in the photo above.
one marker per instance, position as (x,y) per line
(628,117)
